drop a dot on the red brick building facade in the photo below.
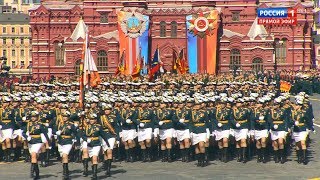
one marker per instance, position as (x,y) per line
(243,44)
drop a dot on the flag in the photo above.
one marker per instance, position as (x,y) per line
(155,64)
(138,66)
(183,62)
(122,64)
(174,61)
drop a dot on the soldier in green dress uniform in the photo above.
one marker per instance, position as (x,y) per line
(199,121)
(32,133)
(66,131)
(279,124)
(146,119)
(164,117)
(7,124)
(109,121)
(241,125)
(182,121)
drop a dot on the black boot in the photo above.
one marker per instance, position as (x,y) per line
(26,155)
(264,155)
(109,161)
(203,160)
(282,156)
(127,155)
(169,155)
(144,158)
(6,156)
(148,154)
(220,154)
(32,170)
(276,156)
(94,171)
(304,157)
(12,151)
(206,156)
(259,156)
(225,154)
(42,159)
(36,170)
(244,154)
(163,156)
(17,153)
(187,154)
(131,154)
(198,157)
(299,156)
(239,157)
(183,155)
(85,167)
(65,171)
(105,165)
(47,157)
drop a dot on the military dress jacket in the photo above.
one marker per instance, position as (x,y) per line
(68,132)
(146,116)
(7,118)
(185,114)
(34,130)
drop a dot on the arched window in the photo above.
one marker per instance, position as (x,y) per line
(174,29)
(257,65)
(163,29)
(102,61)
(281,50)
(59,52)
(235,59)
(77,67)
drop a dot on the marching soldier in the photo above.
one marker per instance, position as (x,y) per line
(199,118)
(66,131)
(32,133)
(165,116)
(6,126)
(301,124)
(259,123)
(241,125)
(223,119)
(146,119)
(91,135)
(109,123)
(182,120)
(279,125)
(128,117)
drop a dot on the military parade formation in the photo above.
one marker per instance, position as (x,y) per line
(174,118)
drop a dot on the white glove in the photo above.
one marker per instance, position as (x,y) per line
(58,133)
(79,114)
(76,124)
(261,117)
(128,121)
(237,125)
(55,136)
(88,140)
(219,124)
(141,125)
(160,123)
(46,124)
(181,120)
(296,123)
(28,138)
(82,113)
(27,133)
(24,118)
(0,127)
(275,126)
(314,131)
(74,140)
(313,120)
